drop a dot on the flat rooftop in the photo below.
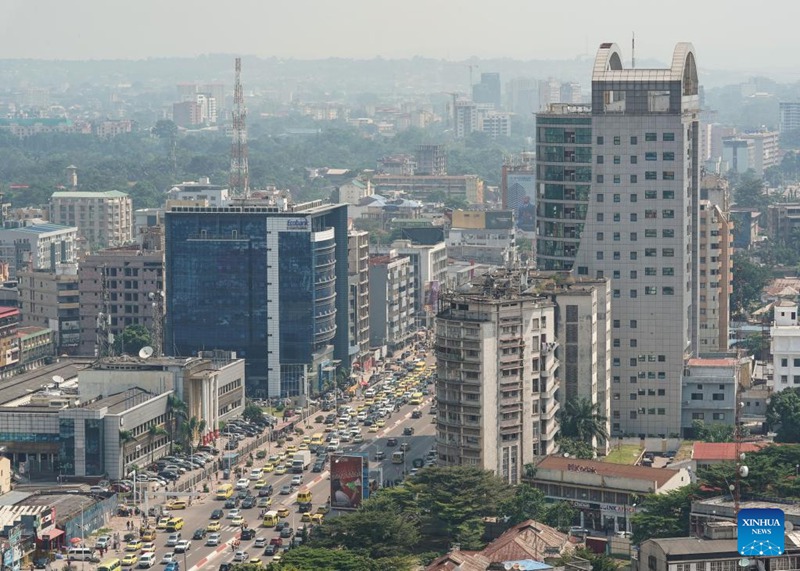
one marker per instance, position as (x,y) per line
(24,384)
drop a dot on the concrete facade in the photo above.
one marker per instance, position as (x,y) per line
(103,219)
(785,345)
(358,299)
(497,377)
(51,299)
(710,389)
(38,247)
(391,301)
(716,277)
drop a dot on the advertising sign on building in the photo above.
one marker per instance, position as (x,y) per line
(499,219)
(761,532)
(347,482)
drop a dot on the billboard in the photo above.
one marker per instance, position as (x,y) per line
(760,531)
(347,482)
(499,219)
(526,215)
(431,292)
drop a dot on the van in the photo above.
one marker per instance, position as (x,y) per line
(270,519)
(110,565)
(224,492)
(175,524)
(304,496)
(147,560)
(79,553)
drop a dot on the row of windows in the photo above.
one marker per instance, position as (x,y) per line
(648,271)
(634,159)
(795,379)
(635,413)
(644,376)
(715,396)
(702,415)
(785,362)
(649,137)
(633,197)
(648,290)
(632,362)
(648,253)
(648,175)
(634,236)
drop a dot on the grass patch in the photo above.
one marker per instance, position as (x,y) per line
(623,454)
(685,451)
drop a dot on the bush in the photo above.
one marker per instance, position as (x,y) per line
(299,431)
(319,419)
(280,442)
(249,463)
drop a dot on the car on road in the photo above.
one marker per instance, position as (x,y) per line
(240,556)
(183,546)
(238,520)
(103,541)
(214,526)
(176,505)
(217,514)
(242,484)
(233,513)
(247,534)
(213,540)
(283,511)
(408,431)
(231,503)
(391,442)
(380,455)
(130,560)
(286,490)
(147,560)
(318,467)
(133,545)
(174,566)
(404,446)
(148,547)
(287,532)
(248,502)
(374,428)
(199,533)
(255,474)
(280,469)
(168,557)
(260,542)
(260,483)
(173,539)
(270,550)
(358,439)
(416,414)
(264,502)
(297,480)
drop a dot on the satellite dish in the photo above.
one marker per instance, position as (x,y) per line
(744,562)
(145,352)
(58,379)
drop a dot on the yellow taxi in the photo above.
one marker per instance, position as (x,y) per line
(149,534)
(291,449)
(133,546)
(323,509)
(260,483)
(148,547)
(268,467)
(176,505)
(130,560)
(213,526)
(380,423)
(255,562)
(162,523)
(303,446)
(317,519)
(373,428)
(280,469)
(361,407)
(282,455)
(306,440)
(238,520)
(306,517)
(283,511)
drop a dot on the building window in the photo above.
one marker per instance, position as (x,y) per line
(617,179)
(616,342)
(616,255)
(668,252)
(668,156)
(599,140)
(616,217)
(667,290)
(617,197)
(650,252)
(600,196)
(634,324)
(599,216)
(651,233)
(650,175)
(599,236)
(668,175)
(718,396)
(668,233)
(600,255)
(650,194)
(616,236)
(634,293)
(651,214)
(634,160)
(651,156)
(616,140)
(697,396)
(634,255)
(599,159)
(634,237)
(583,270)
(634,217)
(668,213)
(634,179)
(668,194)
(616,274)
(668,271)
(616,324)
(650,290)
(616,293)
(600,179)
(634,140)
(633,343)
(616,159)
(651,136)
(668,136)
(650,272)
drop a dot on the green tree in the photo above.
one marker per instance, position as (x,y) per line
(560,515)
(580,418)
(749,279)
(716,432)
(526,503)
(749,192)
(313,559)
(575,447)
(253,412)
(177,412)
(132,339)
(783,415)
(664,515)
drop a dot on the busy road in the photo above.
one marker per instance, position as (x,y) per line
(397,444)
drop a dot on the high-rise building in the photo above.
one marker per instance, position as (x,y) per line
(391,301)
(187,114)
(518,190)
(790,116)
(549,93)
(496,381)
(488,90)
(103,219)
(618,191)
(496,124)
(358,298)
(38,247)
(120,287)
(265,281)
(522,94)
(429,261)
(50,299)
(716,277)
(466,118)
(431,160)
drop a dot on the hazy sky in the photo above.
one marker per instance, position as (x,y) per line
(733,34)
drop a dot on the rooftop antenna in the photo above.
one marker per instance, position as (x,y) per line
(633,50)
(239,178)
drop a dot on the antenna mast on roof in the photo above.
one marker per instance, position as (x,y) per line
(633,50)
(239,177)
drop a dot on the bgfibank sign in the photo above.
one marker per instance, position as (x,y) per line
(761,532)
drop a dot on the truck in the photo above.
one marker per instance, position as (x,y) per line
(301,461)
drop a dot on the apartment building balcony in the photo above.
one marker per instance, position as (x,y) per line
(549,348)
(548,430)
(510,424)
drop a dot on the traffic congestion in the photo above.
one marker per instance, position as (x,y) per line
(256,511)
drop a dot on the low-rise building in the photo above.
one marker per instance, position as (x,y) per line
(482,236)
(709,388)
(50,299)
(103,219)
(38,247)
(605,493)
(785,345)
(707,453)
(422,187)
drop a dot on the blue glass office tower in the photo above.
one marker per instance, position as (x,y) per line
(270,284)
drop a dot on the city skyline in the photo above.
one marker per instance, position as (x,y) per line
(356,29)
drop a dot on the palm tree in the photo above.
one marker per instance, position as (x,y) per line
(580,418)
(201,428)
(154,432)
(176,411)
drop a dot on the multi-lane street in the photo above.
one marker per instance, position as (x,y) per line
(197,515)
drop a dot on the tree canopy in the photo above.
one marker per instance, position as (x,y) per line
(664,515)
(783,415)
(132,339)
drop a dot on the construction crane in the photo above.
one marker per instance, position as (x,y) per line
(239,177)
